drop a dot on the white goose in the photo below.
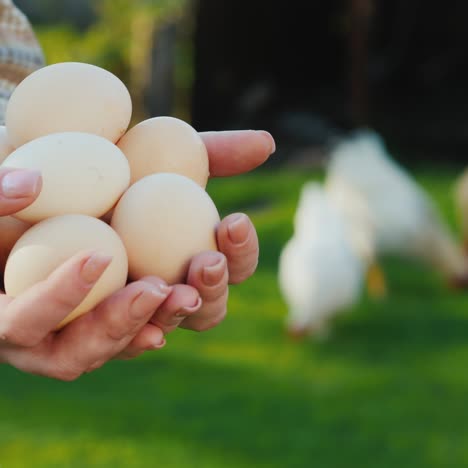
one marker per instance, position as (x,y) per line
(355,212)
(405,219)
(319,272)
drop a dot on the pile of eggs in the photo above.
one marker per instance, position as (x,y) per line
(137,195)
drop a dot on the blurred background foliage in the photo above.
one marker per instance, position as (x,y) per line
(302,70)
(120,35)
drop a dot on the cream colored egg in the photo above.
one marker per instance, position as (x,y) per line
(164,220)
(81,174)
(11,229)
(165,144)
(47,245)
(5,147)
(68,97)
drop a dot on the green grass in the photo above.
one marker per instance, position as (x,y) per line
(388,389)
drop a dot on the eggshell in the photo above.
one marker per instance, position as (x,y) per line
(11,229)
(5,147)
(50,243)
(165,144)
(81,173)
(164,220)
(68,97)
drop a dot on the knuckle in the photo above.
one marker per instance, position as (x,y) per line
(97,365)
(16,336)
(66,375)
(66,371)
(245,257)
(68,301)
(216,292)
(161,324)
(206,325)
(119,327)
(237,277)
(116,332)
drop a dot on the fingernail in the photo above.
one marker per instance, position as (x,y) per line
(212,274)
(187,311)
(160,290)
(21,183)
(139,308)
(238,230)
(270,139)
(160,344)
(94,267)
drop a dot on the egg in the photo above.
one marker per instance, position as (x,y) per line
(11,229)
(66,97)
(81,174)
(5,147)
(164,220)
(165,145)
(50,243)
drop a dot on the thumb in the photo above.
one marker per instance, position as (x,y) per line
(18,189)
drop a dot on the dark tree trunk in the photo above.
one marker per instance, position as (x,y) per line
(360,18)
(160,94)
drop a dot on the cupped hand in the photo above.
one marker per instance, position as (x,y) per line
(136,318)
(210,273)
(29,342)
(230,153)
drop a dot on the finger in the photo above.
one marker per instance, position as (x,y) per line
(90,341)
(208,274)
(182,303)
(33,315)
(18,189)
(147,339)
(236,152)
(238,241)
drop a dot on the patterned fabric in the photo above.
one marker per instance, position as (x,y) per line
(20,52)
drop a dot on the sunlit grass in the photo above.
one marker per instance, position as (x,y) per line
(389,388)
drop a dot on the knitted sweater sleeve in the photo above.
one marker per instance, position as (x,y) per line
(20,52)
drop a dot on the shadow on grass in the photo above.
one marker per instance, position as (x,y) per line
(422,318)
(247,415)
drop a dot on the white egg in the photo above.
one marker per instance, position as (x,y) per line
(164,220)
(165,144)
(45,246)
(81,173)
(68,97)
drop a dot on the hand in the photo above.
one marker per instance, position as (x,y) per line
(230,153)
(120,327)
(27,339)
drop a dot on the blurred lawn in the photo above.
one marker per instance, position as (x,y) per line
(389,389)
